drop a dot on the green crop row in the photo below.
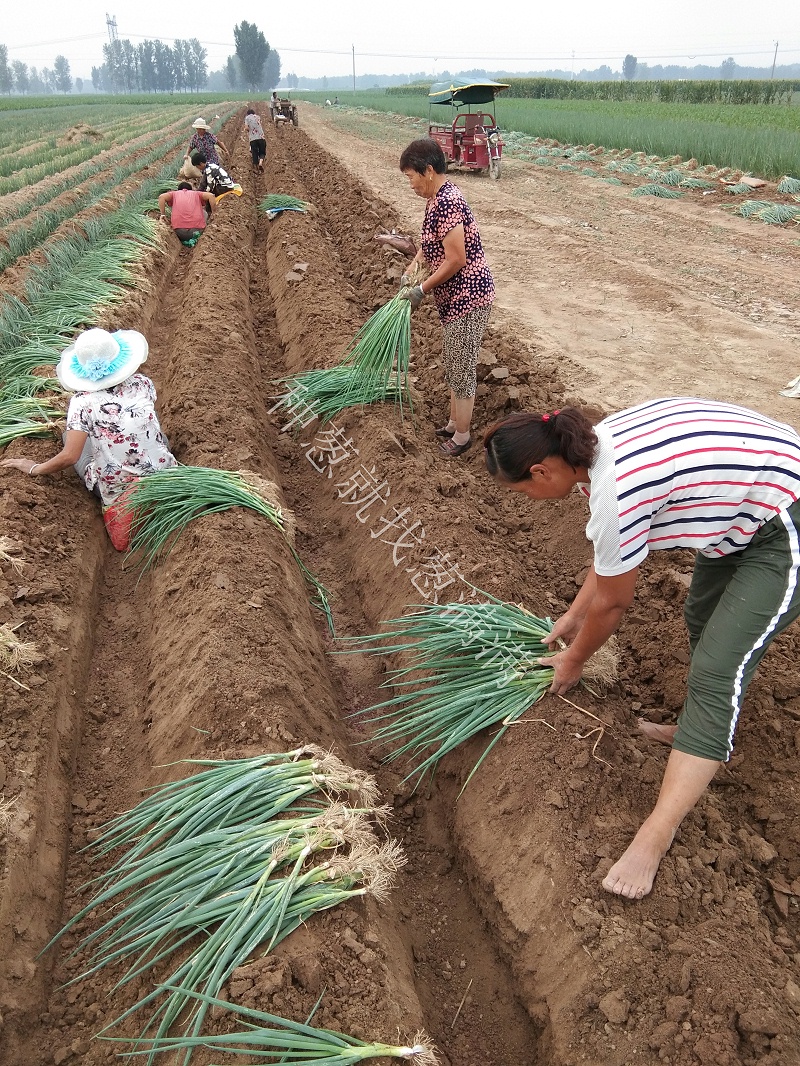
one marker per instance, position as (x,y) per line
(24,238)
(760,139)
(727,91)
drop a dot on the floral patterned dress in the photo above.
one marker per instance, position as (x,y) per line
(125,437)
(472,286)
(204,141)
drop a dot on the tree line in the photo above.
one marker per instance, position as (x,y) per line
(151,67)
(18,77)
(155,67)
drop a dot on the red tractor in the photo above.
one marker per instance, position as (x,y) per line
(472,140)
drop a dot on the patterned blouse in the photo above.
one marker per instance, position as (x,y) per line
(125,436)
(204,141)
(472,286)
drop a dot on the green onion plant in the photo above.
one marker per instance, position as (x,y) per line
(279,1040)
(164,502)
(468,666)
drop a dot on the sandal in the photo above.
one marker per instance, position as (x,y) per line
(450,449)
(445,432)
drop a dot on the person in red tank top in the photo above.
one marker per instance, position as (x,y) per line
(187,211)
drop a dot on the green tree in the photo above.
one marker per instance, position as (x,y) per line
(97,79)
(272,71)
(6,75)
(728,68)
(79,85)
(198,67)
(252,50)
(232,72)
(21,80)
(629,65)
(147,66)
(164,61)
(61,74)
(37,85)
(292,80)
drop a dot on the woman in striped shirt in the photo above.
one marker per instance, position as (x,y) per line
(672,473)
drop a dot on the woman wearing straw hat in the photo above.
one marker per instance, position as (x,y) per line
(204,141)
(113,436)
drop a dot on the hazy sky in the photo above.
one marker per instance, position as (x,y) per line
(315,37)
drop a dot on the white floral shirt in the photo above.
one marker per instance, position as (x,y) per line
(124,433)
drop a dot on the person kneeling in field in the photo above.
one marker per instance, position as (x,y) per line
(672,473)
(187,213)
(215,178)
(113,436)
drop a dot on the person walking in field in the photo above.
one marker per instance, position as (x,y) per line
(203,140)
(672,473)
(113,436)
(187,211)
(255,135)
(460,280)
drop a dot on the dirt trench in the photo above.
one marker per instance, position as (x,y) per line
(217,652)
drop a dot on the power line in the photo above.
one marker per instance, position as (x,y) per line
(439,56)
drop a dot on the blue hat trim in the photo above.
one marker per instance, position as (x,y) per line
(97,369)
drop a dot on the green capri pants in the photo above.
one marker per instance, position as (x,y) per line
(737,604)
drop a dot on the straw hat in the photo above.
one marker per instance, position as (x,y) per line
(99,360)
(200,124)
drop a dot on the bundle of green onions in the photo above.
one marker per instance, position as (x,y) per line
(163,504)
(374,368)
(470,665)
(232,792)
(292,1043)
(318,394)
(25,417)
(790,185)
(277,202)
(232,856)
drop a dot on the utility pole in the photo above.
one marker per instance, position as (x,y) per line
(113,59)
(354,67)
(774,60)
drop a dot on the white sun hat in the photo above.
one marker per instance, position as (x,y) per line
(200,124)
(99,360)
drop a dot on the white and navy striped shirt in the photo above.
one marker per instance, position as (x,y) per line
(686,473)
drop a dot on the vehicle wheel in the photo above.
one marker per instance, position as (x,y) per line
(295,120)
(494,168)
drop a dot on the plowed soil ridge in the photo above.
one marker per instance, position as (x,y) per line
(497,937)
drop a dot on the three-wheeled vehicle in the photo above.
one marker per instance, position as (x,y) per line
(472,140)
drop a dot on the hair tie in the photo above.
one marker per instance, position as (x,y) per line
(546,418)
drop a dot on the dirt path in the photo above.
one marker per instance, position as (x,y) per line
(218,653)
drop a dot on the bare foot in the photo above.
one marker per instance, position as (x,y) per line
(633,875)
(663,733)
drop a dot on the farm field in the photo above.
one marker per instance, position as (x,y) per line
(761,139)
(496,937)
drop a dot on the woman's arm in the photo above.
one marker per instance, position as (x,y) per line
(455,257)
(222,146)
(611,598)
(68,456)
(164,199)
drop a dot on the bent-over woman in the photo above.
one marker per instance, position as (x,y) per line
(113,435)
(672,473)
